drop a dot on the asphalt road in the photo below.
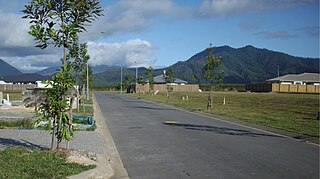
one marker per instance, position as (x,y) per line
(199,146)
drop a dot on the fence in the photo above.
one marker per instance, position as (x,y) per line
(283,88)
(293,88)
(15,87)
(163,88)
(263,87)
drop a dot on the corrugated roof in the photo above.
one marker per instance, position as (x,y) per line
(304,77)
(160,79)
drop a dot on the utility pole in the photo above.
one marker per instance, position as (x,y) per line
(121,79)
(87,81)
(278,71)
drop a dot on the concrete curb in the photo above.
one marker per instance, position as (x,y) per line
(104,168)
(118,170)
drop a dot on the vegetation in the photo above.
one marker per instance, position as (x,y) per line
(241,66)
(291,112)
(13,96)
(150,79)
(169,79)
(56,107)
(19,123)
(59,23)
(213,72)
(21,163)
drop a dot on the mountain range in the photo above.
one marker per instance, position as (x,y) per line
(7,70)
(241,65)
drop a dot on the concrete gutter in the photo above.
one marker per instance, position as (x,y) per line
(109,164)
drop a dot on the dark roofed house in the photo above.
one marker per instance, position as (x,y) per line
(160,80)
(303,79)
(28,78)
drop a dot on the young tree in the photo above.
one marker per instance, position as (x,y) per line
(169,79)
(127,82)
(213,71)
(141,81)
(150,79)
(78,58)
(59,22)
(55,107)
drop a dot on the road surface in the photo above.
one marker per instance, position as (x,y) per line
(198,146)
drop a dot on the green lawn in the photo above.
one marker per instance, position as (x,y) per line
(20,163)
(291,112)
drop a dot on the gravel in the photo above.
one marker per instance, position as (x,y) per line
(90,141)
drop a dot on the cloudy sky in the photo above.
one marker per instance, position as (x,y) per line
(162,32)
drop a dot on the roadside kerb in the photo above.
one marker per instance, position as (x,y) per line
(118,170)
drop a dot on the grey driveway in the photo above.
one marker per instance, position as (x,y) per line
(199,146)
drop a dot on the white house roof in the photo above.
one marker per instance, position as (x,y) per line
(160,79)
(304,77)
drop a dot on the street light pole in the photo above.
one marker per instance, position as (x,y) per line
(121,79)
(87,82)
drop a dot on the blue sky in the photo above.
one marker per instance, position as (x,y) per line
(161,32)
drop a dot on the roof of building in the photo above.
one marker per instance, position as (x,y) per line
(25,78)
(304,77)
(160,79)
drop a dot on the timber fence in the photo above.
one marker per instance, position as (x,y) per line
(15,87)
(163,88)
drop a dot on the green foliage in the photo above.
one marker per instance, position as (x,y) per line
(59,22)
(20,123)
(127,82)
(213,72)
(20,163)
(56,107)
(150,78)
(169,79)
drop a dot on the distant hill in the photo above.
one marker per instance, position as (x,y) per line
(6,69)
(241,65)
(95,69)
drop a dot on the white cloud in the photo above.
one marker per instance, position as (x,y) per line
(212,8)
(131,53)
(33,63)
(132,16)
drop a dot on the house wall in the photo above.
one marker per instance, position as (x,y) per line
(163,88)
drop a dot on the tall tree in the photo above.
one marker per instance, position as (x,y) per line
(150,79)
(213,72)
(59,22)
(169,79)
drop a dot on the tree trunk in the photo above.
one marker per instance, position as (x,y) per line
(53,132)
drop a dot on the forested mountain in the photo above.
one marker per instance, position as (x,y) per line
(241,65)
(6,69)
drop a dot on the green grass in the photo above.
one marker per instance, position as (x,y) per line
(13,96)
(19,123)
(291,112)
(20,163)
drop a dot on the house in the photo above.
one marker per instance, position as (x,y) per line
(302,79)
(160,80)
(29,78)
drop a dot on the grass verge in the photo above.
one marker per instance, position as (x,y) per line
(290,112)
(21,163)
(19,123)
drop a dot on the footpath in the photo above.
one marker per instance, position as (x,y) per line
(100,142)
